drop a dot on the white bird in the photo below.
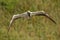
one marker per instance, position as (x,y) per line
(29,14)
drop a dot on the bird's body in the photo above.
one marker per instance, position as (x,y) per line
(29,14)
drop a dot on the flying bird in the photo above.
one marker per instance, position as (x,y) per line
(29,14)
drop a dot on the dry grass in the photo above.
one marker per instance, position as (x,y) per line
(37,28)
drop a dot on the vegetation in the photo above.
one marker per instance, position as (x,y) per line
(37,28)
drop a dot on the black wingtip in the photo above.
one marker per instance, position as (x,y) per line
(52,20)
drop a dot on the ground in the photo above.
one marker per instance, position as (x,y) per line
(37,28)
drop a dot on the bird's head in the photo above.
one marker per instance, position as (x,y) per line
(28,12)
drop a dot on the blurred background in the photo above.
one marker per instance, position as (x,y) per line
(37,28)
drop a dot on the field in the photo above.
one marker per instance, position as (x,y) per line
(37,28)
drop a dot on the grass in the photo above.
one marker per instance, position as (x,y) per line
(37,28)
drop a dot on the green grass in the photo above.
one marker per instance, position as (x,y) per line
(37,28)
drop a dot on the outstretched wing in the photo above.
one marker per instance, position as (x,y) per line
(25,14)
(49,18)
(13,19)
(42,13)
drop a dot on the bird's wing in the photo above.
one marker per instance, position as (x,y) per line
(50,18)
(13,19)
(16,17)
(42,13)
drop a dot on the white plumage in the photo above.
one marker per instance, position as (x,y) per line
(29,14)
